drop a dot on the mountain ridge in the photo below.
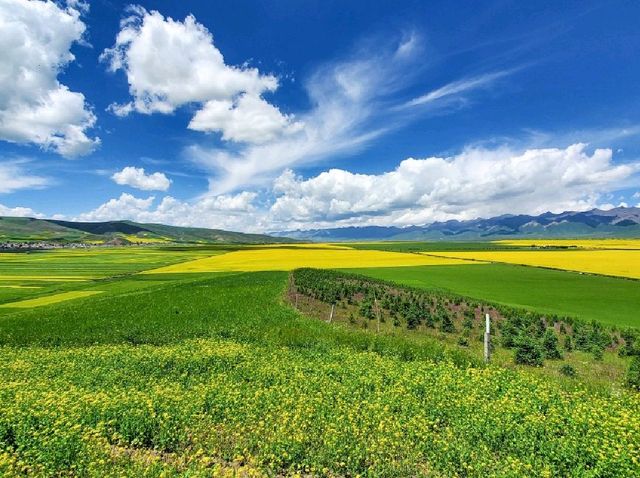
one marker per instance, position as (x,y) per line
(616,222)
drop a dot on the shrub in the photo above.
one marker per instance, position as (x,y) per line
(633,374)
(529,352)
(568,370)
(568,343)
(447,324)
(597,352)
(550,345)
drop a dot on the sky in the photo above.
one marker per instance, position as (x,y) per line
(264,116)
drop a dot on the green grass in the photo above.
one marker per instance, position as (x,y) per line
(608,300)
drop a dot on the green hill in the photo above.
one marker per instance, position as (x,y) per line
(21,229)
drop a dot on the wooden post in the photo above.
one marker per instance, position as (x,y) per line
(331,314)
(487,339)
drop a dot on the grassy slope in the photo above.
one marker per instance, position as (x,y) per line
(609,300)
(29,229)
(20,228)
(216,371)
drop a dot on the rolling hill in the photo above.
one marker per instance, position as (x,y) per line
(19,229)
(617,222)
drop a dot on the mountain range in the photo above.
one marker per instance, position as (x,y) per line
(617,222)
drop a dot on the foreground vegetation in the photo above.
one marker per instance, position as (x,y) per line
(216,374)
(532,337)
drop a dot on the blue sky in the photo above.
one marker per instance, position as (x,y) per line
(261,116)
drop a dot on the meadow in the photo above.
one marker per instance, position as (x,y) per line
(191,361)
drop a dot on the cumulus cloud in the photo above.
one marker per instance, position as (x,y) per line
(19,212)
(475,183)
(13,177)
(171,63)
(137,178)
(222,211)
(249,118)
(34,106)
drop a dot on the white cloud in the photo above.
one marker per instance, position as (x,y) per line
(475,183)
(36,37)
(19,212)
(232,212)
(170,63)
(249,118)
(13,177)
(455,88)
(136,178)
(351,107)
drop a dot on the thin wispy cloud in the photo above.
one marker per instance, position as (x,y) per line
(459,87)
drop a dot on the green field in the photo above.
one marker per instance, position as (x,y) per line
(608,300)
(216,374)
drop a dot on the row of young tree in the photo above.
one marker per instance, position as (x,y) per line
(533,336)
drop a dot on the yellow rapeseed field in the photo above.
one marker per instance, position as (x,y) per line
(608,262)
(51,299)
(144,240)
(633,244)
(283,259)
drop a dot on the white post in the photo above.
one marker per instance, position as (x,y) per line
(487,339)
(375,303)
(331,314)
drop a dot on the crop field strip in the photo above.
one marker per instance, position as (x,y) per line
(619,263)
(621,244)
(284,259)
(50,299)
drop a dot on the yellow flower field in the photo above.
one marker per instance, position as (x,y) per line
(633,244)
(284,259)
(608,262)
(50,299)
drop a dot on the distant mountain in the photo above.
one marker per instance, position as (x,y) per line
(20,229)
(618,222)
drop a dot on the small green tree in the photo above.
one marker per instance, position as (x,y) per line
(447,324)
(633,374)
(568,370)
(568,343)
(550,345)
(529,352)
